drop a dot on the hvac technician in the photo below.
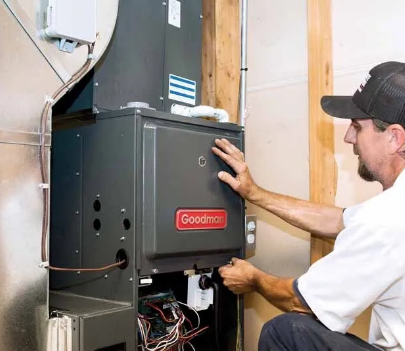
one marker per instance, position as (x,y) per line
(367,265)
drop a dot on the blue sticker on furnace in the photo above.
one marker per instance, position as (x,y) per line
(182,89)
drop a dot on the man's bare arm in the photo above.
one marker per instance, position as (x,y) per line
(242,277)
(322,220)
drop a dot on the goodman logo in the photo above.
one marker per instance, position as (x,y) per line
(201,219)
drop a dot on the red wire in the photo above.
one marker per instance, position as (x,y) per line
(160,312)
(194,334)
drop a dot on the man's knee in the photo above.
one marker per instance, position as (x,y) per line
(281,328)
(275,333)
(284,323)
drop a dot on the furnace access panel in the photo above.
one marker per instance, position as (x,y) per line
(142,183)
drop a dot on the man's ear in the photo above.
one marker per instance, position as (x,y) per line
(397,141)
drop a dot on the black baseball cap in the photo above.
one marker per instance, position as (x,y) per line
(381,95)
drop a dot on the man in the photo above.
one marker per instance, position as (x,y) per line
(367,266)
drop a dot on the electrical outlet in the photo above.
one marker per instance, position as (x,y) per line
(250,231)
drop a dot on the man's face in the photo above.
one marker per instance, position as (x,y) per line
(368,144)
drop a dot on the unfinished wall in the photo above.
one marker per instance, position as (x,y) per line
(277,140)
(365,33)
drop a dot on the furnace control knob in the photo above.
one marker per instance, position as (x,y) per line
(250,239)
(251,226)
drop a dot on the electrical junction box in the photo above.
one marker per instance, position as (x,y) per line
(71,21)
(196,297)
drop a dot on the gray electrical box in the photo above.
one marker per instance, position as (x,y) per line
(154,56)
(145,183)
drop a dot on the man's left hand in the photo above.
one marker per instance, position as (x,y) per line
(239,277)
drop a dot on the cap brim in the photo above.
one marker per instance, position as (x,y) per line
(342,107)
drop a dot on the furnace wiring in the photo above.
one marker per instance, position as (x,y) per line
(177,335)
(43,165)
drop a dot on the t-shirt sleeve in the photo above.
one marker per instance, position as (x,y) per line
(341,285)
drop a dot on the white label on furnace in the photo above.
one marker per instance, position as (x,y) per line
(174,13)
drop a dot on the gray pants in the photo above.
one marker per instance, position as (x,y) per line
(297,332)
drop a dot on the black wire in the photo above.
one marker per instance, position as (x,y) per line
(216,313)
(206,283)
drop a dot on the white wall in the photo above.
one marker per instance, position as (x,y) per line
(365,33)
(277,139)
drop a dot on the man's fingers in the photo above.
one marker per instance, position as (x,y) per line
(234,260)
(235,163)
(229,148)
(227,178)
(223,269)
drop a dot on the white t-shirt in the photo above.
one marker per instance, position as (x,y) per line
(366,267)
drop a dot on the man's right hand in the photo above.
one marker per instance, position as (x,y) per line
(243,182)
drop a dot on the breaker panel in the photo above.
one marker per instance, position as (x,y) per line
(138,189)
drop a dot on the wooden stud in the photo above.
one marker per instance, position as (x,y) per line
(323,180)
(221,55)
(208,54)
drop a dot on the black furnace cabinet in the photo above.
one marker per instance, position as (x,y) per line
(141,185)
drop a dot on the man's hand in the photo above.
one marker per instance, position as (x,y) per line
(239,277)
(243,183)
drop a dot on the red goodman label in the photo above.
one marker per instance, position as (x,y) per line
(201,219)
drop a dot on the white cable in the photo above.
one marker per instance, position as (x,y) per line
(198,316)
(166,340)
(173,337)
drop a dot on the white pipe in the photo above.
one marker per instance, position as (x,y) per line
(243,71)
(201,111)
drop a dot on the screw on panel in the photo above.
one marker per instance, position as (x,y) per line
(131,279)
(77,212)
(201,16)
(106,276)
(96,84)
(77,173)
(97,234)
(76,252)
(161,98)
(97,196)
(164,3)
(138,111)
(123,238)
(78,135)
(155,270)
(78,273)
(123,210)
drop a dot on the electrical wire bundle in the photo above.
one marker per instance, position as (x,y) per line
(178,333)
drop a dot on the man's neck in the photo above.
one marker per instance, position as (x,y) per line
(395,170)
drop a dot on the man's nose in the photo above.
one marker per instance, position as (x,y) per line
(350,136)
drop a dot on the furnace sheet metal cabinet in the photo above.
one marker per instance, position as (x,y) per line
(145,183)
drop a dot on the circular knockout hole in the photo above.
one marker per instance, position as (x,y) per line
(127,223)
(97,224)
(122,255)
(97,206)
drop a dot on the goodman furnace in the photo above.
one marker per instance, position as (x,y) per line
(139,188)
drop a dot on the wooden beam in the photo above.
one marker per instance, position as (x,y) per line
(221,55)
(321,130)
(208,86)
